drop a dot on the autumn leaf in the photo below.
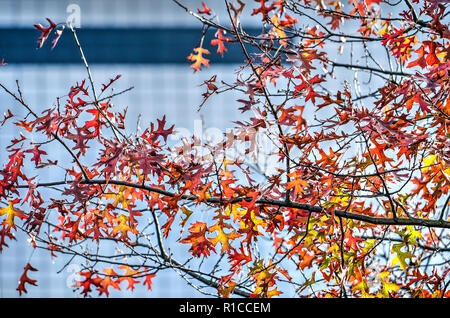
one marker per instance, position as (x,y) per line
(110,280)
(205,9)
(432,58)
(421,60)
(289,22)
(111,81)
(45,32)
(219,41)
(263,9)
(297,183)
(120,197)
(11,213)
(90,278)
(129,276)
(161,131)
(306,259)
(222,237)
(148,280)
(412,235)
(184,220)
(428,162)
(369,2)
(24,279)
(400,255)
(27,125)
(278,29)
(58,34)
(387,287)
(198,58)
(37,153)
(200,244)
(122,227)
(202,193)
(265,281)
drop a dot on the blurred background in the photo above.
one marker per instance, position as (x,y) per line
(146,42)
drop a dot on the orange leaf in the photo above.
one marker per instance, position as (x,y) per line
(148,280)
(108,281)
(198,58)
(128,276)
(298,184)
(421,61)
(432,59)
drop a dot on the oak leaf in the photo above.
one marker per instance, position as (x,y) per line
(200,244)
(11,213)
(198,58)
(24,279)
(45,32)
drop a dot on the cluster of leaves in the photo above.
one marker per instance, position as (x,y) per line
(356,208)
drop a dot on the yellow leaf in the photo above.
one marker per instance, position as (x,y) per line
(387,286)
(447,171)
(384,30)
(123,226)
(278,29)
(118,197)
(413,235)
(222,237)
(340,198)
(273,292)
(188,214)
(11,214)
(401,256)
(428,161)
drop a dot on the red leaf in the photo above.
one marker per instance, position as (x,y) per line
(58,35)
(109,281)
(205,10)
(148,280)
(36,154)
(24,279)
(369,2)
(263,9)
(28,126)
(200,244)
(289,22)
(432,59)
(45,32)
(219,41)
(105,86)
(90,280)
(5,232)
(161,131)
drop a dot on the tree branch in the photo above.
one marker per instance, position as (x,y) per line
(265,201)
